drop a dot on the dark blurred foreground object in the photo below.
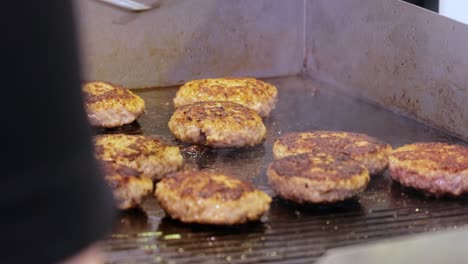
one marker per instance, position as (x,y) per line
(54,202)
(432,5)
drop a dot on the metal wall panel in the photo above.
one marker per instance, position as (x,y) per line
(405,58)
(184,40)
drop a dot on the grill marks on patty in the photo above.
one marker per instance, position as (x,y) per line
(217,124)
(202,184)
(147,154)
(128,146)
(251,93)
(109,105)
(332,142)
(117,94)
(435,156)
(371,152)
(435,168)
(206,197)
(202,111)
(318,167)
(318,178)
(130,189)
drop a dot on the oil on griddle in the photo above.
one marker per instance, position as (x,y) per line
(289,233)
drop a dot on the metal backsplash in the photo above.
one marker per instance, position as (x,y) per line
(184,40)
(402,57)
(405,58)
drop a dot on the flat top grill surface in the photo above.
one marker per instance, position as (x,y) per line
(289,233)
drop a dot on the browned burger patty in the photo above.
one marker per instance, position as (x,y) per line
(371,152)
(210,198)
(217,124)
(129,187)
(254,94)
(108,105)
(317,178)
(436,168)
(150,155)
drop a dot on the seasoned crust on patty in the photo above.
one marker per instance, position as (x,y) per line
(317,167)
(371,152)
(319,178)
(217,124)
(254,94)
(130,189)
(109,105)
(210,198)
(147,154)
(436,168)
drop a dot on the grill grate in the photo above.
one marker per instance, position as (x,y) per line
(289,233)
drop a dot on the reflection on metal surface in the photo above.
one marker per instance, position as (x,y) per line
(172,236)
(289,232)
(149,234)
(131,5)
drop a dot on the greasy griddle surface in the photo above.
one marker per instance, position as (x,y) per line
(289,233)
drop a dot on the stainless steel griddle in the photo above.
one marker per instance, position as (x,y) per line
(289,233)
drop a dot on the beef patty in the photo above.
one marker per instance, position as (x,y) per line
(130,189)
(109,105)
(371,152)
(210,198)
(254,94)
(147,154)
(217,124)
(319,178)
(436,168)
